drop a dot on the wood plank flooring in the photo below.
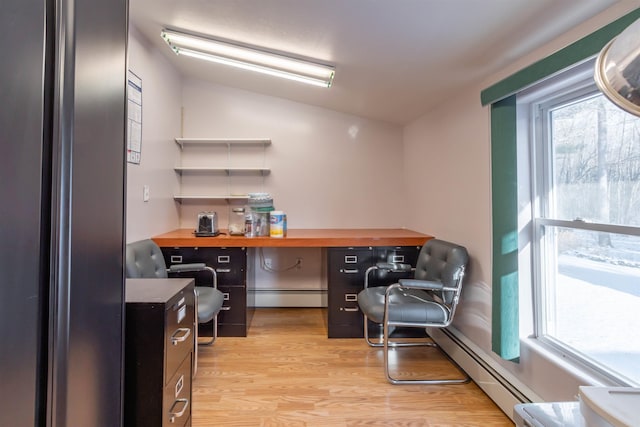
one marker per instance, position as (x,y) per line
(288,373)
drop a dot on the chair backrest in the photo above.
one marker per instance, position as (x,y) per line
(445,262)
(144,260)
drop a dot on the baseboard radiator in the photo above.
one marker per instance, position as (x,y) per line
(498,383)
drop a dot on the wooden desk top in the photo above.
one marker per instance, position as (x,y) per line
(299,238)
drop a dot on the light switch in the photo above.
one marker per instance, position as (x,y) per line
(145,193)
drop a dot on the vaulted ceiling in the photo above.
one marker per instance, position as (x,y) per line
(394,59)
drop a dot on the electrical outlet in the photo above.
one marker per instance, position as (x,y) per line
(268,263)
(298,263)
(145,193)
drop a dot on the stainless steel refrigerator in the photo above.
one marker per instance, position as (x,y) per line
(62,188)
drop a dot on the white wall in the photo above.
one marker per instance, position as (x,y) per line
(447,160)
(328,169)
(453,142)
(161,100)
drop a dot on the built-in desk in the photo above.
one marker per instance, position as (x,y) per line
(299,238)
(349,252)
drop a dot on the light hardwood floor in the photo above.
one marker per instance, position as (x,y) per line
(288,373)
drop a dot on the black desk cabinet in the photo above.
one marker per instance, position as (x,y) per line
(230,265)
(159,346)
(346,269)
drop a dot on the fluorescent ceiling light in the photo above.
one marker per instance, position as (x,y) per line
(249,58)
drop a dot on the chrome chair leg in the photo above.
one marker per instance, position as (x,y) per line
(215,333)
(366,334)
(214,278)
(394,380)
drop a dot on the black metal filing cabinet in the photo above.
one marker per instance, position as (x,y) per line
(345,278)
(230,265)
(346,269)
(159,346)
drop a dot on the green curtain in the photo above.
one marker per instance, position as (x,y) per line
(505,339)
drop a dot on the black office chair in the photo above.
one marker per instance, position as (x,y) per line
(428,300)
(144,260)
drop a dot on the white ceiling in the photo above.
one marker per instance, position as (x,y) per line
(394,59)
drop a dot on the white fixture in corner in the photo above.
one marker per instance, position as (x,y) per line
(610,406)
(249,58)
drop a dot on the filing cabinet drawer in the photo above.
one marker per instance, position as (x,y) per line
(234,308)
(176,400)
(346,266)
(179,330)
(230,264)
(343,307)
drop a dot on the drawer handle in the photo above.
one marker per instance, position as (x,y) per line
(351,309)
(349,270)
(351,297)
(223,270)
(180,335)
(224,259)
(225,308)
(177,414)
(176,259)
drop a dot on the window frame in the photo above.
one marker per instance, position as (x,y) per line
(534,106)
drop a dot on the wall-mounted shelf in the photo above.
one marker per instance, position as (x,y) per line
(222,141)
(211,197)
(193,169)
(241,160)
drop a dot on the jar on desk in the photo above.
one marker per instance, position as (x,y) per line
(237,222)
(256,223)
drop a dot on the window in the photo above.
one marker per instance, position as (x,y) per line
(585,200)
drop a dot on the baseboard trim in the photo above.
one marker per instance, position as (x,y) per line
(288,298)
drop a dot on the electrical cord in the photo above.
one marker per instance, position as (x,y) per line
(265,267)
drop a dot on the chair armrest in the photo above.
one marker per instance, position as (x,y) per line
(182,268)
(395,267)
(428,285)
